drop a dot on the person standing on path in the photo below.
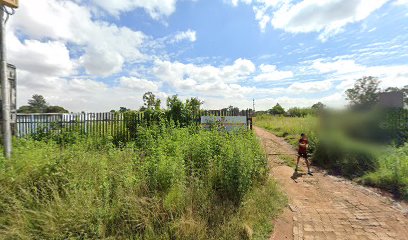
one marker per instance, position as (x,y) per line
(302,152)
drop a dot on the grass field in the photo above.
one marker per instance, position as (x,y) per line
(385,167)
(173,183)
(290,127)
(392,173)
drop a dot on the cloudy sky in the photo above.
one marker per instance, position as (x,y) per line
(98,55)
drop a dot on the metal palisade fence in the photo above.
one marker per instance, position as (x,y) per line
(100,124)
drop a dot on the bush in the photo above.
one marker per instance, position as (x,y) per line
(350,144)
(290,128)
(392,173)
(178,184)
(301,112)
(345,157)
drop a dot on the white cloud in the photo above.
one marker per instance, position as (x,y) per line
(336,100)
(327,17)
(236,2)
(85,86)
(339,66)
(102,63)
(42,58)
(155,8)
(187,35)
(138,84)
(180,72)
(105,47)
(68,37)
(80,94)
(311,87)
(241,69)
(205,80)
(270,73)
(60,38)
(262,11)
(347,71)
(401,2)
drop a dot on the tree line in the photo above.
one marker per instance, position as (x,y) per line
(364,95)
(38,104)
(295,111)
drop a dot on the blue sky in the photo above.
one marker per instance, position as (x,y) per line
(97,55)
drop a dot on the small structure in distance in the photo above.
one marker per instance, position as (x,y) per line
(230,123)
(391,100)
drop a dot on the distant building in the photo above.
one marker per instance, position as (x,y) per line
(391,100)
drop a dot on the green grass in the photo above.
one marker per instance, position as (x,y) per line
(366,163)
(173,183)
(392,173)
(288,160)
(290,128)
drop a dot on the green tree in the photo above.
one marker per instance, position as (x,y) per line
(364,94)
(193,105)
(56,109)
(183,113)
(231,109)
(318,106)
(25,109)
(277,110)
(123,109)
(175,109)
(38,104)
(300,112)
(150,101)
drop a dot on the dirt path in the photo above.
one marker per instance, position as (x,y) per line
(326,207)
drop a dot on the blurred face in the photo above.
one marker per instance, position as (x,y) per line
(304,137)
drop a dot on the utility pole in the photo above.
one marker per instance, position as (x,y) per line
(253,105)
(5,84)
(5,88)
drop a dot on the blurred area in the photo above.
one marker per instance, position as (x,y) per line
(367,141)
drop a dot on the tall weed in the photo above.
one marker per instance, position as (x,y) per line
(172,183)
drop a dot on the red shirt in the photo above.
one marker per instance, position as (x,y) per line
(303,149)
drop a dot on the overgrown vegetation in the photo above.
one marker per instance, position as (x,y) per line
(342,153)
(38,104)
(172,183)
(392,173)
(278,110)
(290,128)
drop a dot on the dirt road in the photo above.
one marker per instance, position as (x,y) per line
(327,207)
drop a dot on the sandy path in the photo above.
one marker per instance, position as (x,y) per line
(326,207)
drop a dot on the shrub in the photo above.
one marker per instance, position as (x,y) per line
(345,157)
(392,173)
(350,144)
(291,127)
(173,183)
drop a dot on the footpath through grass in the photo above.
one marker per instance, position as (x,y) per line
(385,167)
(290,128)
(173,183)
